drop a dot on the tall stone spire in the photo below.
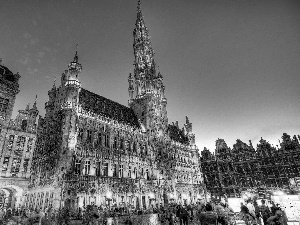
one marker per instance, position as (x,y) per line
(147,81)
(146,89)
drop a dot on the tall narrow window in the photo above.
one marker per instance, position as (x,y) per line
(100,139)
(147,175)
(134,146)
(129,146)
(122,143)
(98,168)
(135,172)
(80,133)
(121,171)
(89,136)
(77,166)
(106,141)
(87,167)
(115,143)
(24,125)
(105,169)
(115,170)
(129,171)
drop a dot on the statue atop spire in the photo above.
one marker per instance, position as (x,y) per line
(76,57)
(139,6)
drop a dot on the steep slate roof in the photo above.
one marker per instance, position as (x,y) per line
(6,73)
(177,135)
(103,106)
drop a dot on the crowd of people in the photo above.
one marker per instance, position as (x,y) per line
(211,213)
(254,214)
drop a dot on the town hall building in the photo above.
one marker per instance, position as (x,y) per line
(92,150)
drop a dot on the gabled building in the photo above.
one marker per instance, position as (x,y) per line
(91,149)
(17,141)
(230,172)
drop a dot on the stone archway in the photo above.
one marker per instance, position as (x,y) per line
(4,197)
(12,196)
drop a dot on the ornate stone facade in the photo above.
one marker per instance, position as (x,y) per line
(93,150)
(260,170)
(17,141)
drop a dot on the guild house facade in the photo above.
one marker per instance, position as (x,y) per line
(17,140)
(261,170)
(92,150)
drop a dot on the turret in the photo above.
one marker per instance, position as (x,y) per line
(70,84)
(70,76)
(26,119)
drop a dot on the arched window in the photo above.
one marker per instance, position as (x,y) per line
(80,133)
(100,139)
(24,125)
(106,140)
(134,146)
(129,171)
(121,143)
(129,146)
(77,166)
(115,143)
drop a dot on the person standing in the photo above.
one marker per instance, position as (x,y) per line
(184,216)
(277,219)
(265,211)
(209,217)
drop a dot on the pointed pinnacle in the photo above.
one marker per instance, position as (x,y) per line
(76,57)
(139,5)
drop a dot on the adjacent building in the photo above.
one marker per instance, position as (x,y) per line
(230,172)
(17,141)
(92,150)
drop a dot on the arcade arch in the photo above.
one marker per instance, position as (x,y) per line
(11,196)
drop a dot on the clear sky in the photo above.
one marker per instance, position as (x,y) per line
(233,66)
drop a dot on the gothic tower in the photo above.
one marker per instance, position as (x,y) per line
(146,89)
(57,131)
(69,89)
